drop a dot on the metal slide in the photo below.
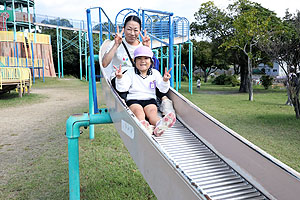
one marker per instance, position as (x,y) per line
(199,158)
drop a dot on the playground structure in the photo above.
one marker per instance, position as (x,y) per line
(21,47)
(198,158)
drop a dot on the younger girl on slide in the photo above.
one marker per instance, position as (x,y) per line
(140,82)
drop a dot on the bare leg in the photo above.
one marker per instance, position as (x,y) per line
(151,113)
(138,111)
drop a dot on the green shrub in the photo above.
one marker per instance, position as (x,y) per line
(266,81)
(232,80)
(223,79)
(219,80)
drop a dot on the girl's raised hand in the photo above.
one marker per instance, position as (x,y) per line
(145,39)
(167,75)
(118,36)
(118,72)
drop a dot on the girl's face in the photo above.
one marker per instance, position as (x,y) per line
(143,63)
(132,31)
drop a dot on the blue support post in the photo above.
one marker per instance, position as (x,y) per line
(171,50)
(39,68)
(58,45)
(73,132)
(73,125)
(43,71)
(62,56)
(100,32)
(91,102)
(32,57)
(85,54)
(91,47)
(167,53)
(17,50)
(179,66)
(80,55)
(161,60)
(191,68)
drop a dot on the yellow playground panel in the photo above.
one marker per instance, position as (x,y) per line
(15,78)
(20,62)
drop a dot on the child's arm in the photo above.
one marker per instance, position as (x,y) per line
(123,81)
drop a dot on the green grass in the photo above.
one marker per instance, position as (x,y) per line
(267,121)
(108,172)
(12,99)
(106,169)
(66,82)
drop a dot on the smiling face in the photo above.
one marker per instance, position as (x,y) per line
(143,63)
(132,31)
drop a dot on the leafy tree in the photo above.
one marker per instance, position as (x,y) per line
(237,30)
(206,56)
(251,22)
(283,46)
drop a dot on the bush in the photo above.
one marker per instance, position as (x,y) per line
(226,80)
(266,81)
(219,80)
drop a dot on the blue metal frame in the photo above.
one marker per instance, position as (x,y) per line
(73,132)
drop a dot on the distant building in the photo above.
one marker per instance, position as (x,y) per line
(275,71)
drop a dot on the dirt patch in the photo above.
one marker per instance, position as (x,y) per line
(25,130)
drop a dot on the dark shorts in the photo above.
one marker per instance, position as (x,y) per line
(143,103)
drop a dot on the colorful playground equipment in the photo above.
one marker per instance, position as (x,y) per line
(15,78)
(198,158)
(21,46)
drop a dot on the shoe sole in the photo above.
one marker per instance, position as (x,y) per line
(168,121)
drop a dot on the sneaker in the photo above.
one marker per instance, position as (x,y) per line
(166,122)
(149,127)
(166,106)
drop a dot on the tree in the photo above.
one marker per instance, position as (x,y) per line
(251,22)
(206,56)
(237,30)
(283,46)
(216,25)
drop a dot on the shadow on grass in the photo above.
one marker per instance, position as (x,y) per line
(278,118)
(216,92)
(11,95)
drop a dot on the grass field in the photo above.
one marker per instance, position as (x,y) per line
(267,121)
(106,168)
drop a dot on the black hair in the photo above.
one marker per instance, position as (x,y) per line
(133,18)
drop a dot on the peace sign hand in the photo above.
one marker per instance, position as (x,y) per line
(145,39)
(118,36)
(167,75)
(118,72)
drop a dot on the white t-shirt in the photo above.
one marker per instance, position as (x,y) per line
(121,56)
(141,88)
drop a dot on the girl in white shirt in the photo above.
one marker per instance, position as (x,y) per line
(140,82)
(116,55)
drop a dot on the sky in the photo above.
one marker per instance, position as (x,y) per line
(76,9)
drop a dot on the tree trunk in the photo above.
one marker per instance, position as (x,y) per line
(289,100)
(250,79)
(294,84)
(244,78)
(297,108)
(205,79)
